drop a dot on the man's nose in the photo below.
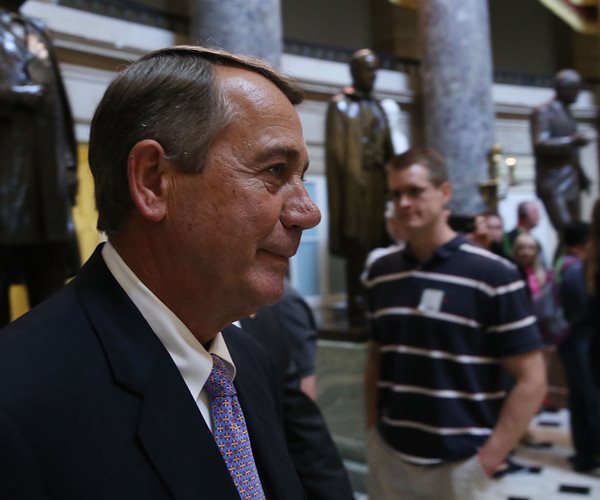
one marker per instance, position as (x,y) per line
(299,210)
(402,200)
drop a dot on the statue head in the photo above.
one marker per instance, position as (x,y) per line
(567,84)
(363,68)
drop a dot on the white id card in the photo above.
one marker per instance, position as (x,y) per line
(431,300)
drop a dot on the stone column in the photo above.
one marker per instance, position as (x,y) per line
(251,27)
(457,90)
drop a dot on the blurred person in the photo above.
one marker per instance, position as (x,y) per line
(123,384)
(448,321)
(287,331)
(296,323)
(541,292)
(480,235)
(485,235)
(495,227)
(526,255)
(528,217)
(584,395)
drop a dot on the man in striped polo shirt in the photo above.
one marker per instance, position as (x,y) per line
(449,321)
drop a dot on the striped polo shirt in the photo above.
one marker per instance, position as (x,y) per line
(443,326)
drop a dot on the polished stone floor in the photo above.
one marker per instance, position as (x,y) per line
(549,476)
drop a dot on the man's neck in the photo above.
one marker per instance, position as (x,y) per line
(185,304)
(424,243)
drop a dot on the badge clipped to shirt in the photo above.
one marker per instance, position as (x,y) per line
(431,300)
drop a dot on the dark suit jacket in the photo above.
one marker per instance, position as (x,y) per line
(299,329)
(313,452)
(93,408)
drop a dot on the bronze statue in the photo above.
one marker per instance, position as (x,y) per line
(38,179)
(556,143)
(358,145)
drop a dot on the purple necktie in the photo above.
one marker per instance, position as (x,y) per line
(230,432)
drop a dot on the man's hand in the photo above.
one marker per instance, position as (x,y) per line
(520,406)
(490,462)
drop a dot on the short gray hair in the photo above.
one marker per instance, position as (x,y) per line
(171,96)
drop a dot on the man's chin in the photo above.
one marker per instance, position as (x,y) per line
(268,290)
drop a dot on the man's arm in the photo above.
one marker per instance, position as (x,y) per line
(520,406)
(371,377)
(20,477)
(312,449)
(298,324)
(308,385)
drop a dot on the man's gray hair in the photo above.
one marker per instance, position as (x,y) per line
(171,96)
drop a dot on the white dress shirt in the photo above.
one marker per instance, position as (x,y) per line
(193,361)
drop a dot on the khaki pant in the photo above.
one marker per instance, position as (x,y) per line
(391,478)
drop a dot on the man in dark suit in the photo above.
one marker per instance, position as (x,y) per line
(119,387)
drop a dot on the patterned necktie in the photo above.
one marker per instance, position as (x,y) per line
(230,432)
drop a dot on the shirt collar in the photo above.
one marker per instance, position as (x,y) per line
(441,253)
(193,361)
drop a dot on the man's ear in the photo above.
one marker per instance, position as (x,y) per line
(446,189)
(146,174)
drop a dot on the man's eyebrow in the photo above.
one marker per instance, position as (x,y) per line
(288,153)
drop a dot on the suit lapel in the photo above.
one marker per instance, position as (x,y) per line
(178,441)
(171,429)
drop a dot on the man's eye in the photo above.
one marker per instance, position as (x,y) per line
(277,170)
(415,192)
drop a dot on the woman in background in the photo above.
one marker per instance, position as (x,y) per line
(527,258)
(544,295)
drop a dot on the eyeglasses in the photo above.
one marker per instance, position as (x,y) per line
(412,193)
